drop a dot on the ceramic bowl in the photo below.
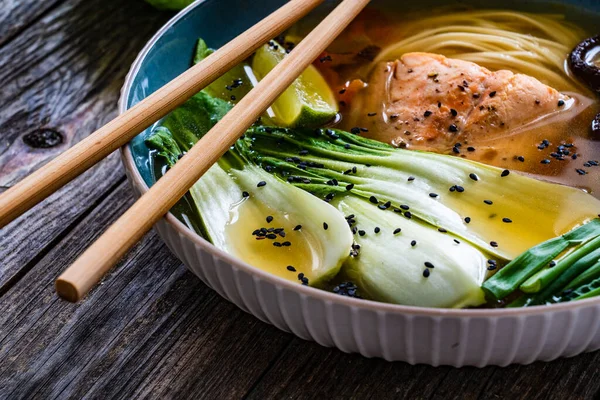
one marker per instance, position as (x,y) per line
(393,332)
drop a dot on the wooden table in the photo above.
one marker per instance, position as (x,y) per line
(152,329)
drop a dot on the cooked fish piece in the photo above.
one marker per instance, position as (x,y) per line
(427,99)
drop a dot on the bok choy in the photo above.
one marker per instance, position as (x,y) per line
(480,204)
(251,214)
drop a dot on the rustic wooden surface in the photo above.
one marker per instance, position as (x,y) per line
(151,329)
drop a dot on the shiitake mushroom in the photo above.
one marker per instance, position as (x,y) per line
(582,65)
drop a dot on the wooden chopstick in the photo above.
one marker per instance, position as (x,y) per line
(89,268)
(40,184)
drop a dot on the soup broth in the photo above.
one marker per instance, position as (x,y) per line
(558,148)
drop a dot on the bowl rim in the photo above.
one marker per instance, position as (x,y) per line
(255,272)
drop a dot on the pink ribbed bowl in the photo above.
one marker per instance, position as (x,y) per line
(395,333)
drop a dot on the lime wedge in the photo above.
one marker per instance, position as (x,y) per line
(308,102)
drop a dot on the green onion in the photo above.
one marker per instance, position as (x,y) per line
(592,273)
(509,278)
(567,268)
(590,290)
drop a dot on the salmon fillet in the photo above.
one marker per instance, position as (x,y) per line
(427,99)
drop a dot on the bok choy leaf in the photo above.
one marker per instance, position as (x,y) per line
(251,214)
(502,214)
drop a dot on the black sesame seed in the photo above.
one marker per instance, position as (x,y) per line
(404,207)
(276,244)
(581,172)
(413,243)
(397,231)
(426,273)
(342,91)
(429,265)
(561,103)
(350,186)
(460,189)
(362,233)
(493,244)
(271,236)
(245,194)
(355,130)
(453,112)
(488,202)
(507,220)
(286,244)
(291,268)
(453,128)
(521,158)
(452,188)
(372,114)
(493,94)
(545,161)
(411,178)
(261,184)
(325,226)
(442,230)
(377,229)
(300,276)
(408,215)
(473,176)
(269,219)
(297,227)
(433,195)
(427,113)
(456,241)
(373,200)
(552,264)
(505,173)
(468,220)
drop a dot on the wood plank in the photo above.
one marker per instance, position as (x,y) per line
(306,370)
(151,328)
(17,15)
(64,73)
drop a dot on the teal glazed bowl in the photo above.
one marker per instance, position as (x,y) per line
(477,337)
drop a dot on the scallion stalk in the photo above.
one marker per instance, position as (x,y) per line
(587,291)
(589,275)
(565,270)
(509,278)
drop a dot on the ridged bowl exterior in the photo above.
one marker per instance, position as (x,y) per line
(394,333)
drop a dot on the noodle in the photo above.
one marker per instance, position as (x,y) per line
(535,45)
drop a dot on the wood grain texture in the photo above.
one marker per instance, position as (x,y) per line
(50,80)
(151,329)
(308,371)
(17,15)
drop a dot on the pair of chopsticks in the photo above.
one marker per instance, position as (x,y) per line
(89,268)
